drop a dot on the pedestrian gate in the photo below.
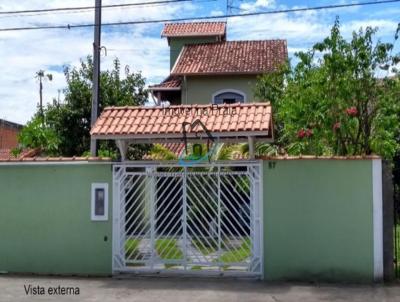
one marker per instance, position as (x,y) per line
(200,219)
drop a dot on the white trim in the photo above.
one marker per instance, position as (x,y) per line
(93,216)
(114,218)
(261,201)
(229,90)
(377,218)
(53,163)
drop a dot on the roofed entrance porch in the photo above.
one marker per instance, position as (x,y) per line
(225,123)
(191,217)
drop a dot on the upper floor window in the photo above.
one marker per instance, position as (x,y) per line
(228,97)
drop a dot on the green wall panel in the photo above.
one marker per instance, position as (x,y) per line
(318,220)
(201,88)
(45,224)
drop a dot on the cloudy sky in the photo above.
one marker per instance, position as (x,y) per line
(23,53)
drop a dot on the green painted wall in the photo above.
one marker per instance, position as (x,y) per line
(318,220)
(176,44)
(201,88)
(45,224)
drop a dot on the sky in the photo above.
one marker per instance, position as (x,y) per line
(23,53)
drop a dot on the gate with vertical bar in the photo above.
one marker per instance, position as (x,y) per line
(202,219)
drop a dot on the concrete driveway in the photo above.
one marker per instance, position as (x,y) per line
(13,288)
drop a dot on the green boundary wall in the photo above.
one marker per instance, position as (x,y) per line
(45,223)
(318,220)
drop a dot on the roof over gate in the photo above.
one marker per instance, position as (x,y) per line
(227,122)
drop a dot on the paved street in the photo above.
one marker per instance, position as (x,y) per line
(186,289)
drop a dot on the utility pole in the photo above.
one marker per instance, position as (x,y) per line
(42,76)
(96,72)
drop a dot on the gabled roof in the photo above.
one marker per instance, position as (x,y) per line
(233,57)
(170,83)
(157,124)
(194,29)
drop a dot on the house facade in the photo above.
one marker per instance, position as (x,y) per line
(206,68)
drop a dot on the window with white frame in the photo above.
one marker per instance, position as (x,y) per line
(99,202)
(228,96)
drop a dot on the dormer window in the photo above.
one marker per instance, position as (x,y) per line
(228,96)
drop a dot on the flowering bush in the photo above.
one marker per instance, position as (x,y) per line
(332,103)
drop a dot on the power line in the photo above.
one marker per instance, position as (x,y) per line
(85,11)
(88,7)
(333,6)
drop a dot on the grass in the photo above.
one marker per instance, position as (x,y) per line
(131,248)
(196,268)
(237,255)
(205,247)
(168,249)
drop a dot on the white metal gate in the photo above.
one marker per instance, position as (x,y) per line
(200,219)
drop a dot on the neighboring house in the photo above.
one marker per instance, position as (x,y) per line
(9,134)
(9,140)
(205,68)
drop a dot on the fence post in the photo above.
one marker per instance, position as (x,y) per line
(388,220)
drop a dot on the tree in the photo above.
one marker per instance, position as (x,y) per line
(35,135)
(70,120)
(333,102)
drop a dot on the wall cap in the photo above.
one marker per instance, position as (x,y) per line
(313,157)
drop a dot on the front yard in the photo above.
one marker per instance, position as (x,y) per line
(205,250)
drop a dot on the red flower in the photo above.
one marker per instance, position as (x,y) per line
(301,133)
(352,111)
(309,132)
(336,126)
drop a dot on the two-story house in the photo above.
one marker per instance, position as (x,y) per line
(206,68)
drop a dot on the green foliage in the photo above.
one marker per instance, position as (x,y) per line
(168,249)
(160,152)
(71,119)
(36,135)
(237,254)
(332,102)
(132,248)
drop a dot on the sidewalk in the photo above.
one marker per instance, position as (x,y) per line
(154,289)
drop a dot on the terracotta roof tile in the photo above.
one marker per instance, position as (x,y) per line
(170,83)
(194,29)
(243,57)
(165,123)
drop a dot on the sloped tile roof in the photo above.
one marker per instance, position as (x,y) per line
(233,57)
(193,29)
(227,120)
(170,83)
